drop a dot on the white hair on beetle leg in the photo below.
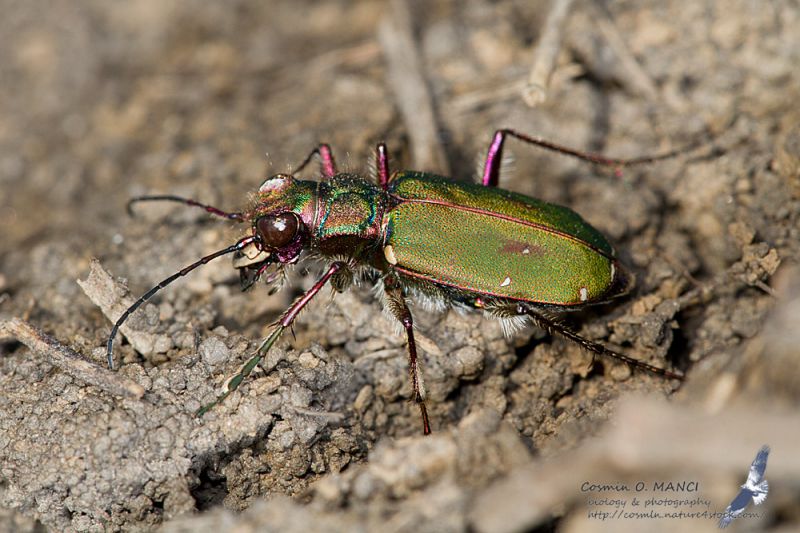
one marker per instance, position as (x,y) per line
(420,382)
(510,325)
(379,289)
(429,302)
(511,321)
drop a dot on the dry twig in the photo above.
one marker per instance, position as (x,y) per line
(535,90)
(110,296)
(407,80)
(69,360)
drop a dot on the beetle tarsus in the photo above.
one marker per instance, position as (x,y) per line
(234,381)
(595,348)
(423,411)
(494,156)
(285,322)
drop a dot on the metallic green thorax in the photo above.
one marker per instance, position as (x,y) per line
(495,242)
(349,206)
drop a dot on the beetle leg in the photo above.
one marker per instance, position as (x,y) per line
(327,163)
(382,165)
(594,347)
(179,199)
(396,303)
(494,156)
(285,321)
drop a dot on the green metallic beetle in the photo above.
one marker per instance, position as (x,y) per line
(427,237)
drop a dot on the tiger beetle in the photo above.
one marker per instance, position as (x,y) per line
(446,243)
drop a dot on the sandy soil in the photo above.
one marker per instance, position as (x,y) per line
(103,101)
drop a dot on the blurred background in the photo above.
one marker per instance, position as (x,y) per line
(102,101)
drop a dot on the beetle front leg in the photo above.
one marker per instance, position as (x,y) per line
(396,303)
(285,321)
(327,163)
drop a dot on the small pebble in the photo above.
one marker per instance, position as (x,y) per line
(213,351)
(469,360)
(363,399)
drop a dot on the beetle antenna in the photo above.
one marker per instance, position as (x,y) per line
(187,201)
(594,347)
(149,294)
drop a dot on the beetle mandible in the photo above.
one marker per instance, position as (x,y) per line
(420,235)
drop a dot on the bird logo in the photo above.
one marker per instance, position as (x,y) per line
(755,488)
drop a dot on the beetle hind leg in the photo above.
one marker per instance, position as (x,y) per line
(595,348)
(494,156)
(396,304)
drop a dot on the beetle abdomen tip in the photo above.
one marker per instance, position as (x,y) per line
(622,280)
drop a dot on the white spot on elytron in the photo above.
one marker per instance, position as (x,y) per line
(526,251)
(388,253)
(613,271)
(584,294)
(506,282)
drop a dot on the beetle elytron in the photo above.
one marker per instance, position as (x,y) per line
(420,235)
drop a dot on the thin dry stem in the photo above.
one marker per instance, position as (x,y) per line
(407,80)
(70,361)
(544,63)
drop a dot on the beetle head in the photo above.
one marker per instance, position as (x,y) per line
(279,226)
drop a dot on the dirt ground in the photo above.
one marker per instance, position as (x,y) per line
(102,101)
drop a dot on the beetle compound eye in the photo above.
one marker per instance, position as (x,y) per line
(276,231)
